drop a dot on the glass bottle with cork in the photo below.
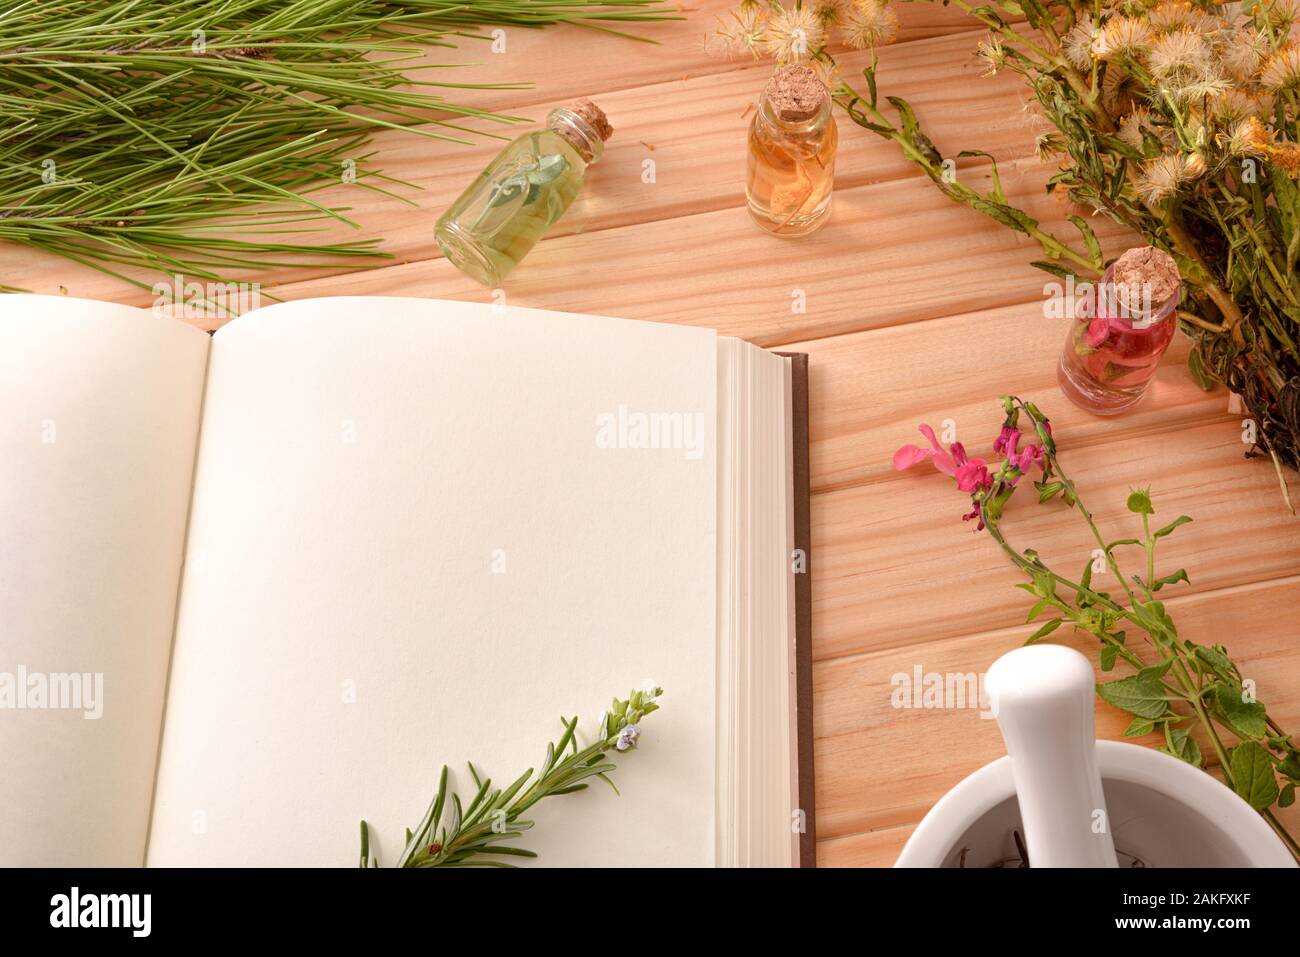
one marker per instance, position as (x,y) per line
(792,144)
(521,193)
(1119,336)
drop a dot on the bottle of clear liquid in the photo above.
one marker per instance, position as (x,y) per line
(514,201)
(792,143)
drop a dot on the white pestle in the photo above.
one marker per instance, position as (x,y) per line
(1043,698)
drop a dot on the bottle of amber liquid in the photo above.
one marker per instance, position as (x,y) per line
(521,193)
(792,143)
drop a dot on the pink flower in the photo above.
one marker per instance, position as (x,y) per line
(1027,457)
(1098,330)
(974,513)
(971,474)
(909,455)
(1006,441)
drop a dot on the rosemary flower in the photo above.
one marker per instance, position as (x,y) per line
(868,22)
(1122,36)
(627,738)
(793,34)
(1282,71)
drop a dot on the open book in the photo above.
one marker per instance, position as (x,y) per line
(258,586)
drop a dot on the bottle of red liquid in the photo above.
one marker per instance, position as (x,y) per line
(1117,339)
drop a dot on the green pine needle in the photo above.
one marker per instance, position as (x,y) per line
(172,137)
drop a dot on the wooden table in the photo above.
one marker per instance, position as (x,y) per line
(917,310)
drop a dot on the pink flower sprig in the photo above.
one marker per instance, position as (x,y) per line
(989,490)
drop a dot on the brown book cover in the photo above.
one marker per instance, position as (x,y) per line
(803,608)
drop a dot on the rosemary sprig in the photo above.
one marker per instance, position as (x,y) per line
(175,137)
(455,834)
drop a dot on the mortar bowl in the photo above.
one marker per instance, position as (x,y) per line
(1162,812)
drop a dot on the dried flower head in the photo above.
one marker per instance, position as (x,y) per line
(1179,55)
(830,12)
(1282,69)
(1286,156)
(1048,145)
(1120,90)
(741,33)
(868,22)
(1122,36)
(793,34)
(1077,45)
(1132,126)
(1179,15)
(1250,137)
(1277,15)
(1164,176)
(992,52)
(1231,106)
(1242,53)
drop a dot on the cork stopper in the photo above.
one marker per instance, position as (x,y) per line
(795,94)
(594,117)
(1145,271)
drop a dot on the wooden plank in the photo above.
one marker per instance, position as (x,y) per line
(879,766)
(894,563)
(869,390)
(886,257)
(869,849)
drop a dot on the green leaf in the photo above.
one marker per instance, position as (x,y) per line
(1248,718)
(1252,775)
(1212,661)
(996,193)
(1046,630)
(1168,529)
(1157,671)
(1037,610)
(1200,374)
(912,130)
(1182,745)
(1048,490)
(1089,239)
(1060,272)
(1107,657)
(1287,797)
(1178,576)
(1136,695)
(1139,502)
(1290,766)
(1138,727)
